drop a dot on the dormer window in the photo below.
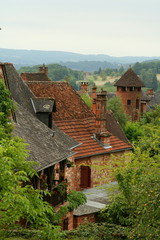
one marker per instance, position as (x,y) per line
(43,108)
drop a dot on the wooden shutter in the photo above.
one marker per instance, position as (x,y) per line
(85,177)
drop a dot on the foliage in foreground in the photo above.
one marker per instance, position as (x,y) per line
(137,206)
(94,231)
(135,211)
(147,126)
(21,204)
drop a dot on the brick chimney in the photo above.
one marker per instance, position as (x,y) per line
(104,138)
(23,76)
(84,86)
(101,121)
(93,96)
(101,100)
(44,69)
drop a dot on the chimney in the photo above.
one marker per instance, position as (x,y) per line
(84,86)
(44,69)
(104,138)
(23,76)
(67,81)
(94,95)
(101,100)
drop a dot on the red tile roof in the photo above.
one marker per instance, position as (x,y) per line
(69,104)
(74,118)
(82,131)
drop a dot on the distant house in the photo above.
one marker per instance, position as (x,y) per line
(151,99)
(88,128)
(135,101)
(129,90)
(50,148)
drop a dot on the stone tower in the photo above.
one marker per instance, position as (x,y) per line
(129,90)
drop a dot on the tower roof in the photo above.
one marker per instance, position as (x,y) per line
(129,79)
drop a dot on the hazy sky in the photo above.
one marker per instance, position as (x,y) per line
(113,27)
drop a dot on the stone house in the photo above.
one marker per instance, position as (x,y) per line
(49,148)
(97,136)
(150,99)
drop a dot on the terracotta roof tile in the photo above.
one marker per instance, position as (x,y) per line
(75,118)
(69,105)
(129,79)
(89,145)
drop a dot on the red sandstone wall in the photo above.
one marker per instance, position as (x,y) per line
(69,216)
(130,95)
(83,219)
(99,170)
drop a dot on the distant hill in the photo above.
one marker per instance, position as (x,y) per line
(90,66)
(34,57)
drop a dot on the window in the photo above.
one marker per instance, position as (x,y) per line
(123,89)
(128,102)
(131,89)
(65,224)
(137,103)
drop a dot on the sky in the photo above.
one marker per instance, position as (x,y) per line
(112,27)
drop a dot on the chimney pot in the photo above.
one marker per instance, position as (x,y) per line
(43,69)
(84,86)
(101,112)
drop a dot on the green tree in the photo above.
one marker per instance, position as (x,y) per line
(57,72)
(6,106)
(86,98)
(137,68)
(20,202)
(133,131)
(116,106)
(137,204)
(136,207)
(154,82)
(152,117)
(121,70)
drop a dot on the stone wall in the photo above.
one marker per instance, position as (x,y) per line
(84,219)
(99,170)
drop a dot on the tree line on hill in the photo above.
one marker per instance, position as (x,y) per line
(57,72)
(147,71)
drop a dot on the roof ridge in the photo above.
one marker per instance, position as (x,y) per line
(129,79)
